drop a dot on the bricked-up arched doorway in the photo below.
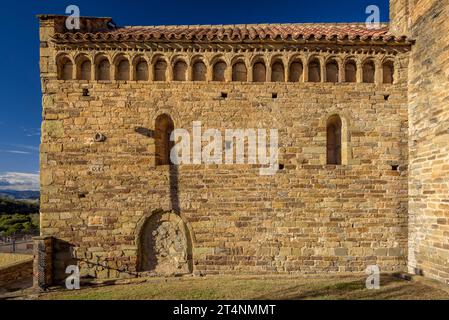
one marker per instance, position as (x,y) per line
(165,245)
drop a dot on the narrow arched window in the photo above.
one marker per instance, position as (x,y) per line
(219,71)
(163,128)
(277,72)
(332,71)
(160,70)
(65,69)
(179,71)
(314,71)
(199,71)
(142,71)
(368,72)
(122,71)
(104,70)
(259,72)
(350,71)
(334,142)
(296,70)
(239,72)
(388,72)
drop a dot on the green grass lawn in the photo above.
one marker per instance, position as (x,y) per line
(257,287)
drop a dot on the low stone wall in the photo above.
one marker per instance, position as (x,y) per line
(14,275)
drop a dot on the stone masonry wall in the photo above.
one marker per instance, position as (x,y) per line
(14,276)
(309,217)
(429,140)
(97,194)
(399,16)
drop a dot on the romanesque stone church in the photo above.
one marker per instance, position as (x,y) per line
(363,152)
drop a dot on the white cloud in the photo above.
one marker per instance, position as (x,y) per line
(18,148)
(31,132)
(26,147)
(15,151)
(19,181)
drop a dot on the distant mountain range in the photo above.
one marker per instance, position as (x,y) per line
(20,195)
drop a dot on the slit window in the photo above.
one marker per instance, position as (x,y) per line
(334,140)
(163,128)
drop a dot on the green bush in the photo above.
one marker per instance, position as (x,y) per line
(17,223)
(10,206)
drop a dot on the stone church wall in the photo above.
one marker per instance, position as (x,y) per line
(429,139)
(100,183)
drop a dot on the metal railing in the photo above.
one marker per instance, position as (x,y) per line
(17,243)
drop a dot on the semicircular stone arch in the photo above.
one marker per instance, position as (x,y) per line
(164,244)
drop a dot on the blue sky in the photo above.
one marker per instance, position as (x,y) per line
(20,114)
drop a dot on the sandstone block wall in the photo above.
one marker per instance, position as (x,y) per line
(309,217)
(429,140)
(14,276)
(97,195)
(400,16)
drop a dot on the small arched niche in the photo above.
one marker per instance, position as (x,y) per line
(180,71)
(141,70)
(277,72)
(65,68)
(314,70)
(103,69)
(199,71)
(259,72)
(160,70)
(388,72)
(334,140)
(164,245)
(239,72)
(350,71)
(332,71)
(163,128)
(85,70)
(122,69)
(219,71)
(296,71)
(369,71)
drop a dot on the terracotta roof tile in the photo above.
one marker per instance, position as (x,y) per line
(237,33)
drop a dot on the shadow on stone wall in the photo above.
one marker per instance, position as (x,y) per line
(174,189)
(63,256)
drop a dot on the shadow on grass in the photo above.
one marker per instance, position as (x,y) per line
(338,288)
(391,287)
